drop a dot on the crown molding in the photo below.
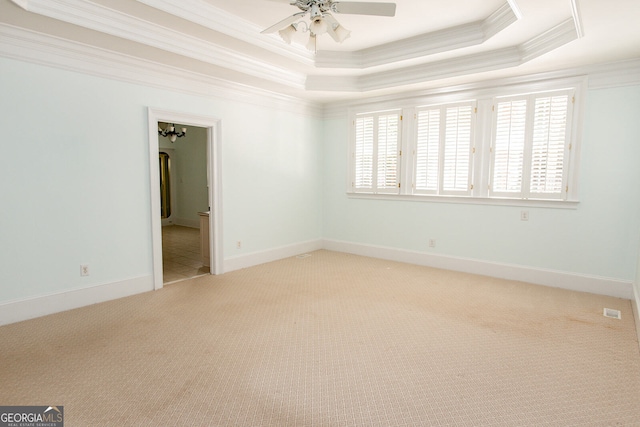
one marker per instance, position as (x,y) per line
(469,64)
(552,39)
(214,18)
(109,21)
(448,39)
(106,20)
(43,49)
(577,17)
(598,76)
(617,74)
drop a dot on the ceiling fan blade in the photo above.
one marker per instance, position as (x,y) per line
(330,28)
(364,8)
(284,23)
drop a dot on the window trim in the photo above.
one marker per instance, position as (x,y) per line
(481,161)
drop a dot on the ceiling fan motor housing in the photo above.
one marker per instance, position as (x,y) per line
(316,7)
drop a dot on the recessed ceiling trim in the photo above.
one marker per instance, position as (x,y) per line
(43,49)
(463,65)
(34,47)
(552,39)
(109,21)
(470,64)
(214,18)
(22,3)
(471,34)
(410,48)
(575,10)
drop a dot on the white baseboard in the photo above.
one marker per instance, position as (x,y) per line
(557,279)
(29,308)
(274,254)
(185,222)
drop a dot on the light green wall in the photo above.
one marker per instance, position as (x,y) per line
(284,182)
(598,238)
(74,177)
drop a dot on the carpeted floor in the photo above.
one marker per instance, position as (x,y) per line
(332,340)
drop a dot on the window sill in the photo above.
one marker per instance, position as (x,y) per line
(555,204)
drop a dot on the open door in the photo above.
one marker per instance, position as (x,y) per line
(213,183)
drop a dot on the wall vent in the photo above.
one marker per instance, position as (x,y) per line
(614,314)
(303,256)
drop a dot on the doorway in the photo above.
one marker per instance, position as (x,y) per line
(184,202)
(211,126)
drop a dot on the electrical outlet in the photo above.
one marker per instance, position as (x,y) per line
(524,215)
(238,244)
(84,270)
(432,243)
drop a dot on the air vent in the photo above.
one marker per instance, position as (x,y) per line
(303,256)
(614,314)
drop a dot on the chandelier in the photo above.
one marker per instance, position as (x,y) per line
(170,131)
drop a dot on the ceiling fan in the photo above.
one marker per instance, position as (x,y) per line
(322,21)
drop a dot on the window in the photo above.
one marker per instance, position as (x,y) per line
(444,143)
(376,154)
(530,146)
(491,148)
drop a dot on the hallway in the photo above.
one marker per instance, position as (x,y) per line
(181,257)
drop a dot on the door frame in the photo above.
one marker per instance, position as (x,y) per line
(214,185)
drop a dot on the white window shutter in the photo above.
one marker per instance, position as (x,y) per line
(376,153)
(443,149)
(363,154)
(427,151)
(509,146)
(548,146)
(388,143)
(456,153)
(530,146)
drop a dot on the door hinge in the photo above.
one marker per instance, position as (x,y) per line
(398,185)
(471,188)
(566,189)
(475,110)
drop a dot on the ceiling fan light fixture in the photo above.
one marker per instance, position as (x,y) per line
(322,22)
(311,44)
(318,26)
(342,33)
(287,33)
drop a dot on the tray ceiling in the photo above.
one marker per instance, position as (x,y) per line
(426,45)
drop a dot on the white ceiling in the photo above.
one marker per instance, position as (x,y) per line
(428,44)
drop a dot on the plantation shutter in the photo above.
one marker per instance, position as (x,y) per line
(548,146)
(456,162)
(376,153)
(388,152)
(364,153)
(508,147)
(427,151)
(530,144)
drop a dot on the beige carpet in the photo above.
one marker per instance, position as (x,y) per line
(332,340)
